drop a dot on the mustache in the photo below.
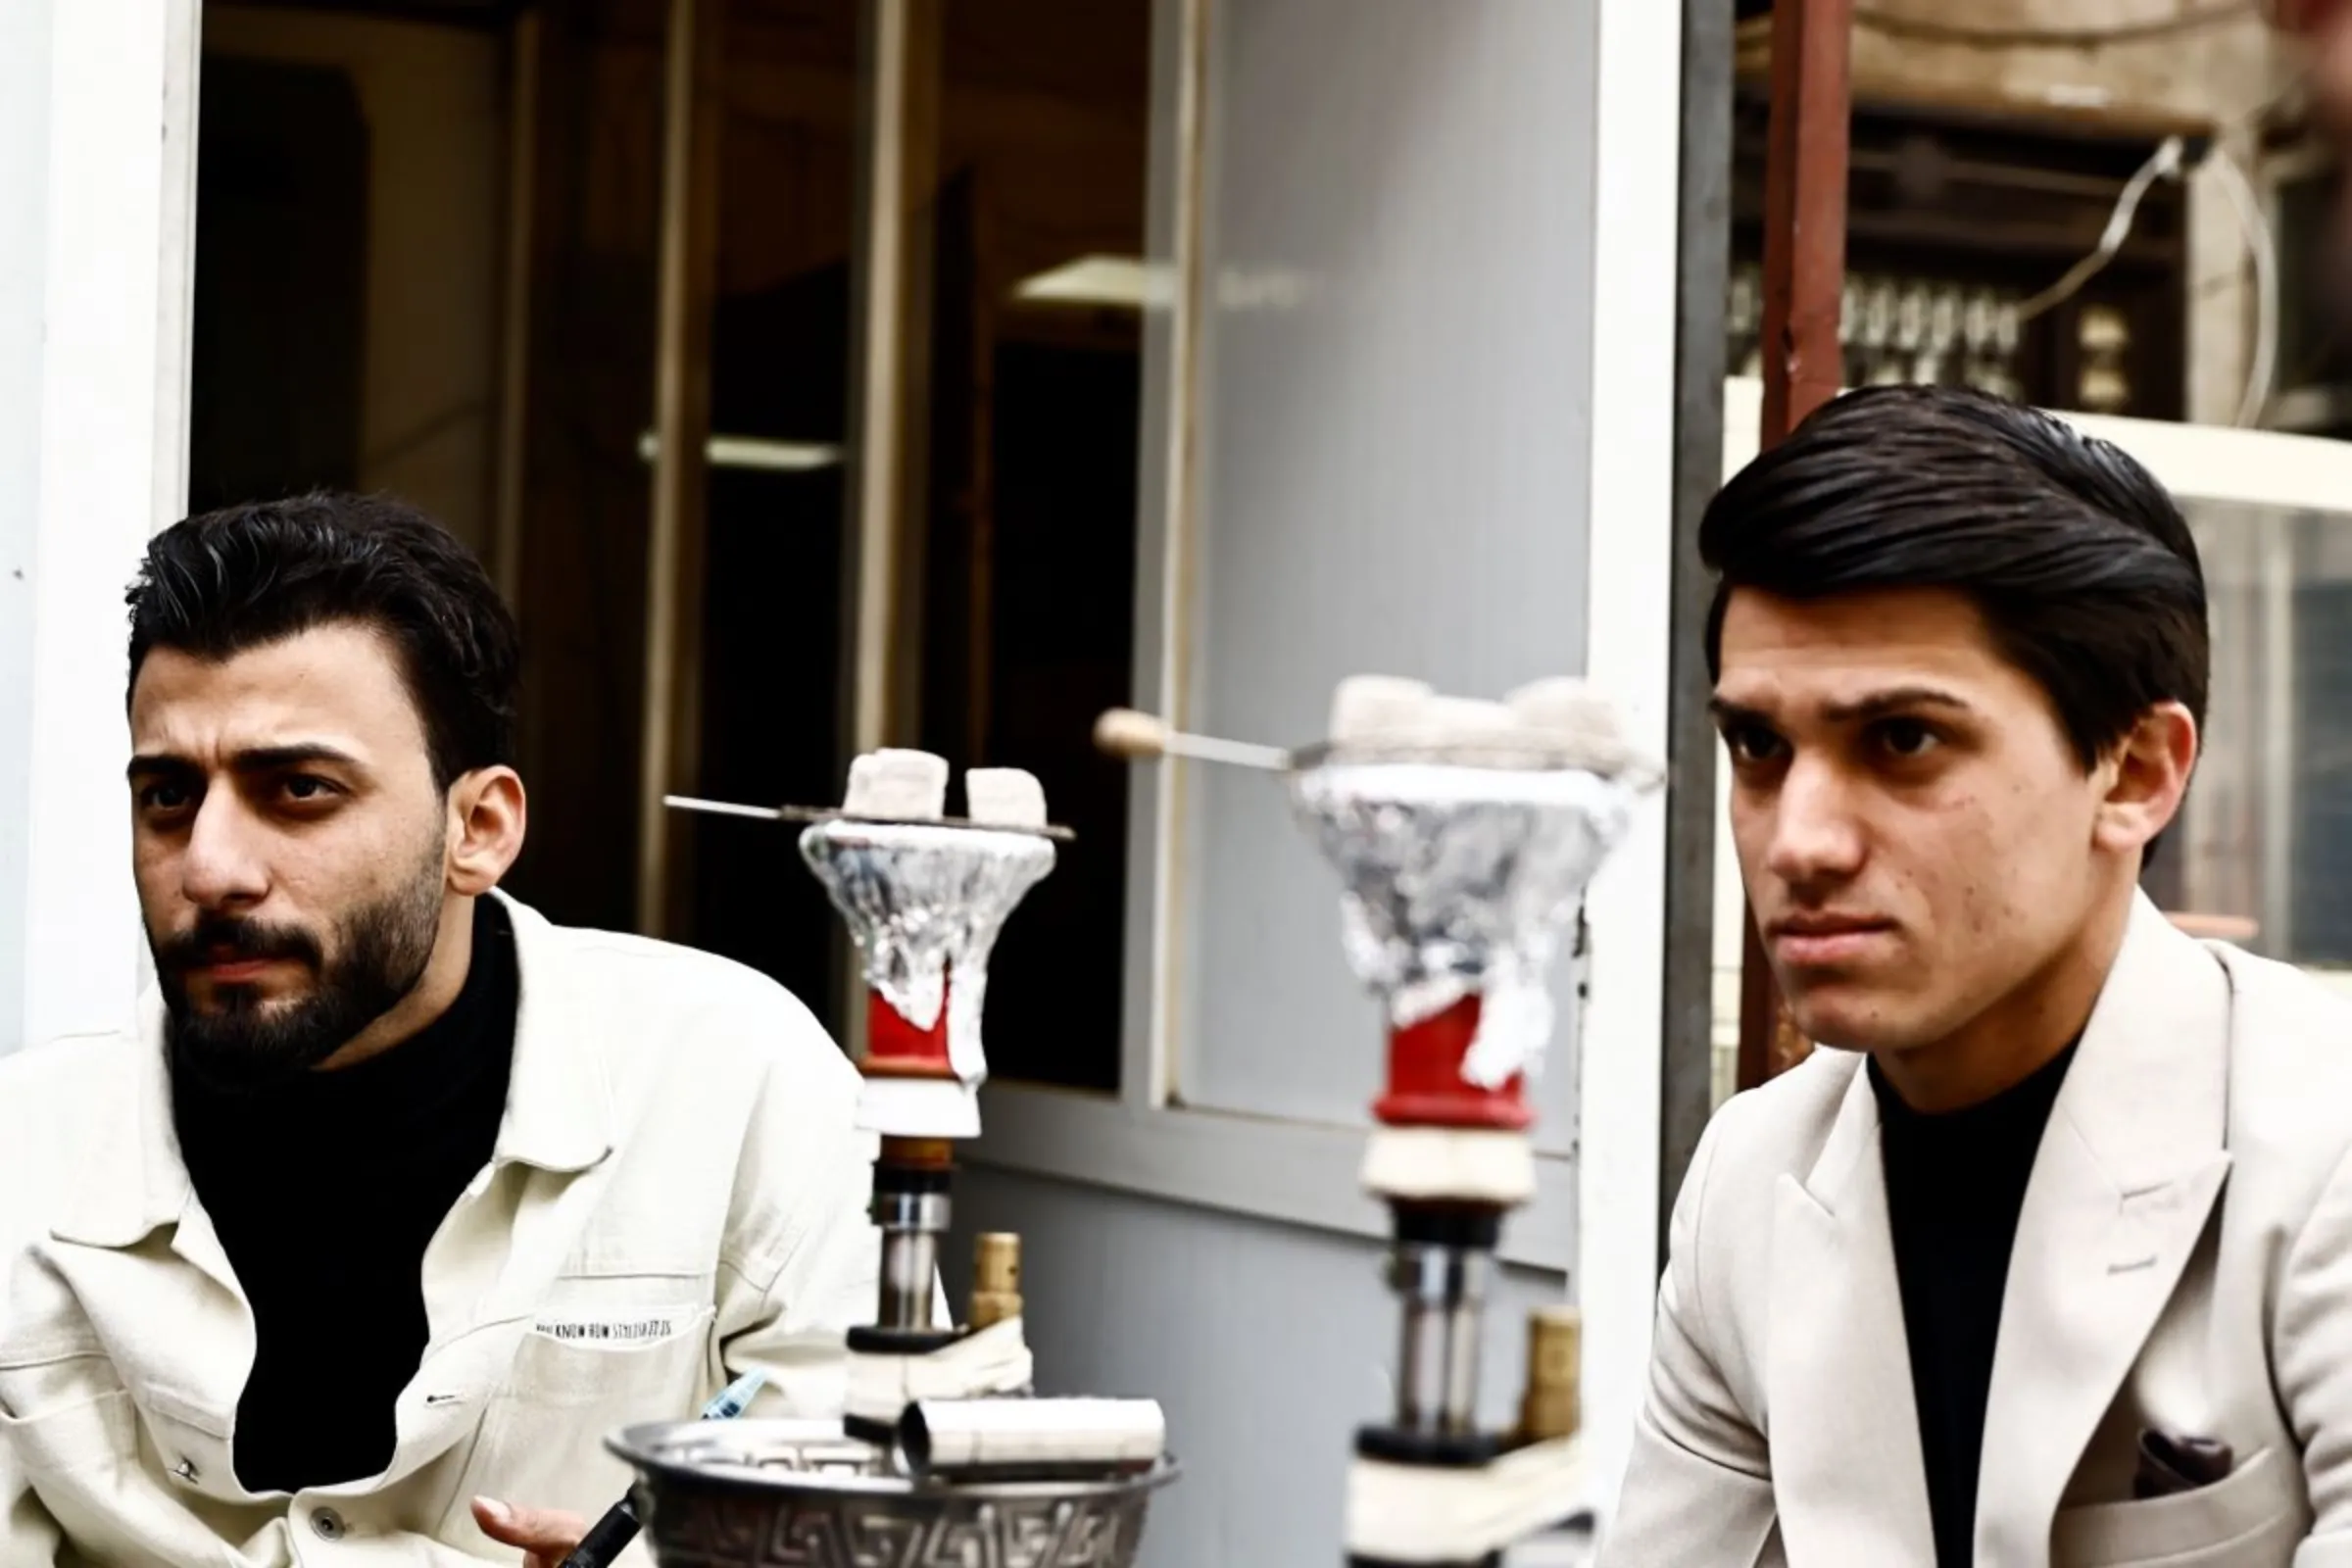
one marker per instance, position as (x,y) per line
(233,938)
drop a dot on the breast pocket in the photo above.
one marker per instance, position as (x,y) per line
(94,1431)
(2252,1516)
(576,1379)
(81,1458)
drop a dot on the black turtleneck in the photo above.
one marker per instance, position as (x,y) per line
(1955,1186)
(324,1190)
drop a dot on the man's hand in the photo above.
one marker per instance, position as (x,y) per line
(545,1536)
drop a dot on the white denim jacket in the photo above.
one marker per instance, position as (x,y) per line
(678,1194)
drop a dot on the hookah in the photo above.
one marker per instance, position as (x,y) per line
(1465,833)
(944,1458)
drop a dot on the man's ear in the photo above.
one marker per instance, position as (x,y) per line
(2147,774)
(487,816)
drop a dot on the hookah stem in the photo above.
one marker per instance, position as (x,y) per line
(1440,1266)
(912,1177)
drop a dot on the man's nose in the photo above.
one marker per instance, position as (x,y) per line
(1817,836)
(222,867)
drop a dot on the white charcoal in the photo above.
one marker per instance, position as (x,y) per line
(1372,707)
(898,786)
(1451,723)
(1007,797)
(1568,712)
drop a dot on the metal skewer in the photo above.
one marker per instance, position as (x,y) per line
(1124,732)
(688,802)
(828,813)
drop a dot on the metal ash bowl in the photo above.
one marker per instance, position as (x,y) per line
(801,1494)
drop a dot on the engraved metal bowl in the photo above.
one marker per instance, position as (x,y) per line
(803,1494)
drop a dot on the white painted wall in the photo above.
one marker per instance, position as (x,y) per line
(435,102)
(23,273)
(96,170)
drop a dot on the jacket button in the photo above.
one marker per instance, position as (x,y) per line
(328,1525)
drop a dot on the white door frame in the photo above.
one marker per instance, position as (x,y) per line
(113,222)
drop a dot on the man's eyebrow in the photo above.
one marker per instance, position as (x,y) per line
(1727,715)
(270,758)
(254,759)
(151,764)
(1877,704)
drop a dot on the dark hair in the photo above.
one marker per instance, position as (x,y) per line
(218,584)
(2080,563)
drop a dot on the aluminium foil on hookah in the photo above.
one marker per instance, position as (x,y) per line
(922,901)
(1457,881)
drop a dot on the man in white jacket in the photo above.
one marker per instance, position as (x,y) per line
(2047,1256)
(401,1199)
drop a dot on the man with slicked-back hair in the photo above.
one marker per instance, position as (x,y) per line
(2045,1256)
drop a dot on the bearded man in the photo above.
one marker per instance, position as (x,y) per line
(402,1198)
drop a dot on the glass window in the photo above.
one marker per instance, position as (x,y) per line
(1028,515)
(2263,851)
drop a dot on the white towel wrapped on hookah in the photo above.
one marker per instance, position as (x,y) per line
(994,1360)
(920,1108)
(1449,1164)
(1428,1514)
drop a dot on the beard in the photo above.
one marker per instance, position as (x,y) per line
(245,1041)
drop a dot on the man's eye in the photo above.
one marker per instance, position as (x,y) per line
(1751,742)
(307,787)
(162,798)
(1907,738)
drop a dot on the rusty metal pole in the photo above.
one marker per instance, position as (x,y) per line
(1804,286)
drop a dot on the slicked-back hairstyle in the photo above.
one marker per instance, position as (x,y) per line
(219,585)
(2079,561)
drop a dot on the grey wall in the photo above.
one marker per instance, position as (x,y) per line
(1266,1344)
(24,269)
(1399,198)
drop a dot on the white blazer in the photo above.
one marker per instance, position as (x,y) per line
(677,1194)
(2182,1262)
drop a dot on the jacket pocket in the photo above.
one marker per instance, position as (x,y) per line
(576,1381)
(81,1461)
(2227,1523)
(92,1433)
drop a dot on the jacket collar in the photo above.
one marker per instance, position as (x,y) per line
(2129,1168)
(2126,1173)
(559,1114)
